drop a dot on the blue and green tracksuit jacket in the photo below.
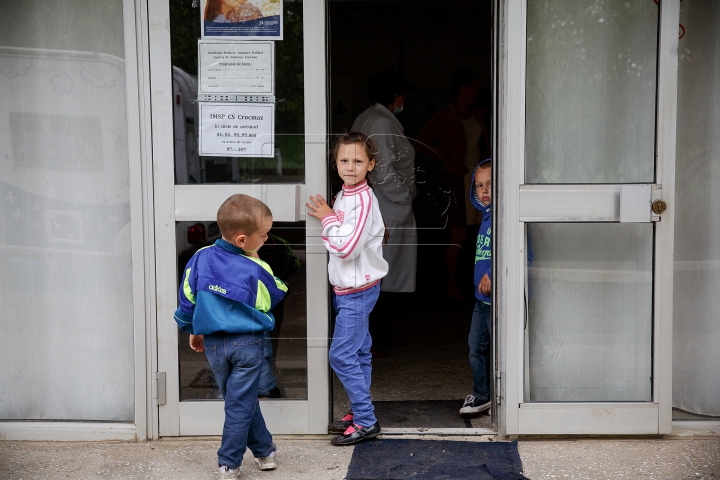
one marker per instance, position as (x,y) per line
(223,290)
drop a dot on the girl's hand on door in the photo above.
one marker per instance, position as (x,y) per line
(320,208)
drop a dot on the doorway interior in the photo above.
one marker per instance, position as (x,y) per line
(424,376)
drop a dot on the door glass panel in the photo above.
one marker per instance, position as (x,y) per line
(589,326)
(288,163)
(696,325)
(67,325)
(590,91)
(285,371)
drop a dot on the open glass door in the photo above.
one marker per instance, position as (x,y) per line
(589,190)
(188,190)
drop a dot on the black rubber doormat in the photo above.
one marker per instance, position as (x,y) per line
(397,459)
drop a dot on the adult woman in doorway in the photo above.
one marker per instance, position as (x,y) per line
(454,137)
(393,181)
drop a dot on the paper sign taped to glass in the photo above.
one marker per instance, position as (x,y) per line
(234,67)
(237,129)
(241,19)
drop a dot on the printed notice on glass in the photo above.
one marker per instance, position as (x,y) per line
(237,129)
(236,67)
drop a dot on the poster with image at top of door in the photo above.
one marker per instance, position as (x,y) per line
(241,19)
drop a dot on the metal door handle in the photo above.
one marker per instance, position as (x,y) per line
(659,206)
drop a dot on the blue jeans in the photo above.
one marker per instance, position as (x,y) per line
(479,341)
(350,351)
(236,361)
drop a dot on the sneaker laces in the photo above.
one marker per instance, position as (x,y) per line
(470,399)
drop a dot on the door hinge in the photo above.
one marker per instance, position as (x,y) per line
(160,388)
(498,386)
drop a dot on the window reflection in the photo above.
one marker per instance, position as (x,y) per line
(65,245)
(589,328)
(591,70)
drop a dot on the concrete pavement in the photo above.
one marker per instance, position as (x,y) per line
(313,458)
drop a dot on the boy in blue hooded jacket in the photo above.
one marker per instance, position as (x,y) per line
(480,337)
(226,296)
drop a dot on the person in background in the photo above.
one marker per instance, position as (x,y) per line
(393,181)
(454,137)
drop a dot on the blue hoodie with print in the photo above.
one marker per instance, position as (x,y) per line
(483,246)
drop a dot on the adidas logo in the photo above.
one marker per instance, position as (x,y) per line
(217,288)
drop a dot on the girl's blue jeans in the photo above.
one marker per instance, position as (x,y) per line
(350,351)
(237,361)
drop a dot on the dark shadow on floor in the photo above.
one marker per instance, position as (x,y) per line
(427,414)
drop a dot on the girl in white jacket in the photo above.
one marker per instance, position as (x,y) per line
(353,233)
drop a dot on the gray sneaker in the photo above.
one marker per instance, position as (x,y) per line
(267,463)
(228,474)
(474,405)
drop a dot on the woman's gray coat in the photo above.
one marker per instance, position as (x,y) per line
(393,180)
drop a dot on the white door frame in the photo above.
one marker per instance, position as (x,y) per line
(515,416)
(183,202)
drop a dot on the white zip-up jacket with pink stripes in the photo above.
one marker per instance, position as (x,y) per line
(353,235)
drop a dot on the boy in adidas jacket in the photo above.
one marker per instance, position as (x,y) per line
(226,296)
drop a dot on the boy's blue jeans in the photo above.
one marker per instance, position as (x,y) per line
(479,341)
(350,351)
(236,361)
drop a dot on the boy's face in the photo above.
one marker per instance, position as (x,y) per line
(483,185)
(251,243)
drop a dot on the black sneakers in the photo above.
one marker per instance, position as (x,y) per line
(341,425)
(355,433)
(474,405)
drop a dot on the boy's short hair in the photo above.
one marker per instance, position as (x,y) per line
(485,164)
(241,214)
